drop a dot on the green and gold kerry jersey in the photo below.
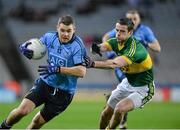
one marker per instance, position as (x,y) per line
(139,71)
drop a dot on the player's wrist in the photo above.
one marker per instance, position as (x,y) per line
(93,64)
(58,69)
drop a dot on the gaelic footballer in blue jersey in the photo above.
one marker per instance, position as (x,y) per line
(56,85)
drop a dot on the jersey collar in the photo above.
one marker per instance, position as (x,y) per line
(72,39)
(135,30)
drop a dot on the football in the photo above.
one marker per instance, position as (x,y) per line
(39,50)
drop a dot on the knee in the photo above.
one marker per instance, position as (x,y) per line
(120,109)
(107,112)
(38,121)
(22,111)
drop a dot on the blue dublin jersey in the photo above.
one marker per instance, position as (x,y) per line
(66,55)
(142,33)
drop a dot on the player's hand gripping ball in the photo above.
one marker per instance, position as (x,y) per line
(33,49)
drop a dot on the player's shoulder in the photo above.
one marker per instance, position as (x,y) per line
(78,41)
(112,42)
(132,41)
(112,39)
(112,31)
(51,34)
(145,27)
(136,41)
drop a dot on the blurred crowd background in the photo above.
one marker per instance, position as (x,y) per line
(21,20)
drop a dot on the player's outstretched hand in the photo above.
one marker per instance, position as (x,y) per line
(47,70)
(89,63)
(25,51)
(95,49)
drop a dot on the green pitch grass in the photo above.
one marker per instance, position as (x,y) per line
(83,114)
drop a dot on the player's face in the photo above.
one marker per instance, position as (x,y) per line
(122,33)
(65,32)
(135,18)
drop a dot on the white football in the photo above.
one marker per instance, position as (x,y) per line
(39,50)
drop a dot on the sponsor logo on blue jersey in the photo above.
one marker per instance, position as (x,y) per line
(57,60)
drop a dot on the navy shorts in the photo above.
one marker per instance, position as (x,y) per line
(55,101)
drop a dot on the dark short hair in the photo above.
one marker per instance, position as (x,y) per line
(67,20)
(133,11)
(127,22)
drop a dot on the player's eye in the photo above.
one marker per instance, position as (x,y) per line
(69,31)
(62,30)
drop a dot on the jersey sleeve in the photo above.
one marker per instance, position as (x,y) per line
(112,33)
(47,38)
(79,53)
(149,35)
(110,54)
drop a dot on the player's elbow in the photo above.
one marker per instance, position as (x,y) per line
(81,75)
(82,72)
(155,46)
(159,49)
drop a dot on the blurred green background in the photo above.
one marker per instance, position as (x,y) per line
(84,114)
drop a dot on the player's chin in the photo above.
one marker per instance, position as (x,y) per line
(65,40)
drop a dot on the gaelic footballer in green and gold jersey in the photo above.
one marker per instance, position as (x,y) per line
(139,68)
(132,57)
(138,87)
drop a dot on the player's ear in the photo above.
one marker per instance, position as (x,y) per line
(57,26)
(74,28)
(130,32)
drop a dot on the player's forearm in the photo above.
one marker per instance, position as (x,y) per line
(111,64)
(78,71)
(108,64)
(155,46)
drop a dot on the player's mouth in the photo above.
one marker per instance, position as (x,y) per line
(65,39)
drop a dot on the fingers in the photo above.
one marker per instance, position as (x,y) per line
(43,69)
(48,70)
(88,61)
(43,66)
(48,61)
(25,51)
(28,53)
(28,43)
(95,49)
(100,54)
(43,73)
